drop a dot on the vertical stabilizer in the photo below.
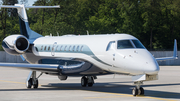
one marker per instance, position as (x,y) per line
(23,19)
(24,25)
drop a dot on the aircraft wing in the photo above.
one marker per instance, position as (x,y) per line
(175,55)
(34,67)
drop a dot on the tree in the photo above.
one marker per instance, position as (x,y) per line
(4,13)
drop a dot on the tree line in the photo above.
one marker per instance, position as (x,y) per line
(156,23)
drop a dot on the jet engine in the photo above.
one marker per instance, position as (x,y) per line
(15,44)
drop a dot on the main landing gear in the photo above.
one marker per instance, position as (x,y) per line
(87,80)
(32,80)
(138,90)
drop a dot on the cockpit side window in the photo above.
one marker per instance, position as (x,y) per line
(111,45)
(122,44)
(138,44)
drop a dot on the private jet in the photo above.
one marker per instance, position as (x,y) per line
(86,56)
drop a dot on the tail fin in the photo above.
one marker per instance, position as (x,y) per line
(23,19)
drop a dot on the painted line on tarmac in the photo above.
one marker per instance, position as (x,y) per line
(104,97)
(14,82)
(121,95)
(11,82)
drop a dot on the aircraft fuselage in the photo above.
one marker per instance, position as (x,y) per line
(99,50)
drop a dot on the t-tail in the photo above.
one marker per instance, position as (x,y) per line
(23,19)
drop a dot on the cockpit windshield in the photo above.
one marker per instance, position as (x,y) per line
(121,44)
(124,44)
(138,44)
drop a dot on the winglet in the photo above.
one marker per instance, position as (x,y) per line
(175,55)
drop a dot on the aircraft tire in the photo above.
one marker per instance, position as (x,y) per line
(36,84)
(29,83)
(83,81)
(90,84)
(141,91)
(135,91)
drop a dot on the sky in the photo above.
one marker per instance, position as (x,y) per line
(30,2)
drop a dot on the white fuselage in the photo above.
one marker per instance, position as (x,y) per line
(100,50)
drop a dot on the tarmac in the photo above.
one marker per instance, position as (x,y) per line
(106,88)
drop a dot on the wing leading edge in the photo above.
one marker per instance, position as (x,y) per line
(175,55)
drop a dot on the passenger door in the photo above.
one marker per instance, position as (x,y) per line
(53,48)
(111,51)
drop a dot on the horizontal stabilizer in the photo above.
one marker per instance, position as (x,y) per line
(175,55)
(9,6)
(42,6)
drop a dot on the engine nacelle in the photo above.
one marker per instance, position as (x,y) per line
(15,44)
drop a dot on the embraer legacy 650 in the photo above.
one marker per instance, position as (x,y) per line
(80,55)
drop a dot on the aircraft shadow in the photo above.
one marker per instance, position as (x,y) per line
(121,89)
(106,88)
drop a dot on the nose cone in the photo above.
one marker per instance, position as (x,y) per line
(151,67)
(149,63)
(139,61)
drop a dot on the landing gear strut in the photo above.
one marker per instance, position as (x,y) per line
(138,90)
(32,80)
(89,80)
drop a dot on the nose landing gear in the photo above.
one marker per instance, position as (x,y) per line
(138,90)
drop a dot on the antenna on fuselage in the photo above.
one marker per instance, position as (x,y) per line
(87,32)
(57,34)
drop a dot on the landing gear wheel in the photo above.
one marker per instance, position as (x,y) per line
(83,81)
(135,91)
(36,84)
(29,83)
(141,91)
(90,84)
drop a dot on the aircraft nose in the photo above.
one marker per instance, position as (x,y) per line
(151,68)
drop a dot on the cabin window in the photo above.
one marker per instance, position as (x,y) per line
(111,45)
(65,48)
(48,48)
(36,49)
(57,48)
(45,48)
(74,48)
(77,48)
(41,47)
(61,48)
(81,48)
(123,44)
(69,48)
(138,44)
